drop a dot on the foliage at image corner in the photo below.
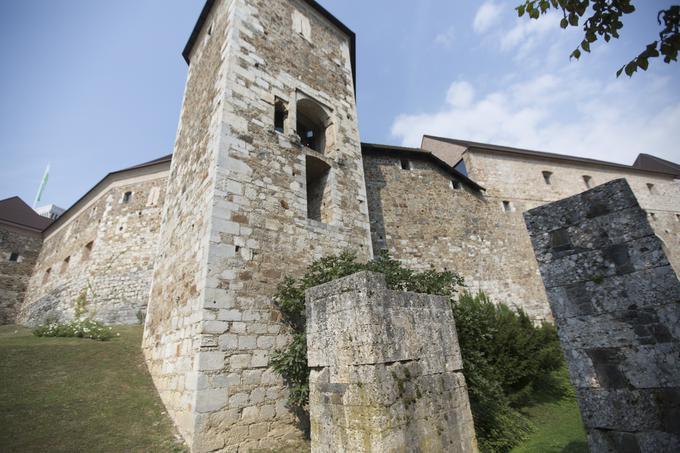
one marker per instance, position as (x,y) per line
(505,355)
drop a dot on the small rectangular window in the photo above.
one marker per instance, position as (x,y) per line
(280,115)
(127,197)
(46,277)
(14,257)
(405,164)
(588,180)
(651,188)
(455,184)
(547,177)
(507,206)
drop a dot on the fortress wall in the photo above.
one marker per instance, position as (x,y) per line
(15,275)
(422,221)
(117,270)
(519,179)
(236,217)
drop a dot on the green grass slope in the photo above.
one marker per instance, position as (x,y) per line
(76,395)
(557,422)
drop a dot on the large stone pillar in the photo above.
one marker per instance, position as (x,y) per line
(386,370)
(616,302)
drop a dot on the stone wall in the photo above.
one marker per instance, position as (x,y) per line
(15,271)
(616,302)
(236,217)
(104,245)
(422,220)
(386,370)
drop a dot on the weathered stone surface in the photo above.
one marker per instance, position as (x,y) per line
(105,246)
(386,370)
(15,275)
(616,301)
(236,217)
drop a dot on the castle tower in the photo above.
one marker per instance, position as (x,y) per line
(266,176)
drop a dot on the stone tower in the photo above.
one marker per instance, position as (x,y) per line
(266,176)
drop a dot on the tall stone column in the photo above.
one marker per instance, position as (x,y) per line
(386,370)
(616,302)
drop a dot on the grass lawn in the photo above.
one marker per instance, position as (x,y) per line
(76,395)
(558,426)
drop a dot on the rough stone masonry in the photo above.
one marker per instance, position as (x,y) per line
(616,301)
(386,370)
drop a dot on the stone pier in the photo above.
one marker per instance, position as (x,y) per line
(616,302)
(386,370)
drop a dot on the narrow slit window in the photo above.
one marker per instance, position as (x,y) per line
(280,115)
(14,257)
(318,190)
(127,197)
(46,277)
(455,185)
(547,177)
(677,217)
(507,206)
(588,181)
(652,215)
(64,265)
(651,188)
(87,250)
(405,164)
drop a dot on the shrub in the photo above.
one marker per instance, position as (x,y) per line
(81,328)
(504,353)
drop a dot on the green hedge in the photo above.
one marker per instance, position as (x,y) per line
(504,354)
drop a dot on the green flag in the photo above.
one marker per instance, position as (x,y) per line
(41,189)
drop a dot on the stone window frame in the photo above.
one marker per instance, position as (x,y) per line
(318,113)
(507,206)
(547,177)
(455,184)
(13,257)
(651,188)
(406,164)
(127,197)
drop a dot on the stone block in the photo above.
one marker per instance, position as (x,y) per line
(377,386)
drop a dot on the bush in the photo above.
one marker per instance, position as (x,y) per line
(504,353)
(81,328)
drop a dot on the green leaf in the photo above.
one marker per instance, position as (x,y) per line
(564,23)
(630,68)
(585,45)
(575,54)
(573,20)
(520,10)
(618,73)
(643,63)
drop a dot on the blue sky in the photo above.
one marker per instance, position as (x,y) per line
(95,86)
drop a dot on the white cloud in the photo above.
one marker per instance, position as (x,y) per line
(488,15)
(561,112)
(460,94)
(445,39)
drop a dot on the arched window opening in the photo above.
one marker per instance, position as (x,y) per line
(312,125)
(318,190)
